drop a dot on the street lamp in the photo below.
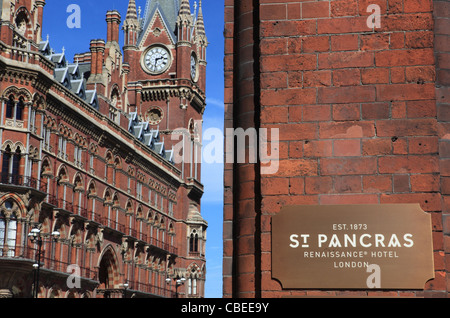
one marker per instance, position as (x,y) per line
(35,237)
(125,287)
(178,282)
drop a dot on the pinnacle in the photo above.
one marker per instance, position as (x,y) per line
(131,12)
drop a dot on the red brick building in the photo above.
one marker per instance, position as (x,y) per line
(363,116)
(87,151)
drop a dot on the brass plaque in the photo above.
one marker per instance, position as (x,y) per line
(352,247)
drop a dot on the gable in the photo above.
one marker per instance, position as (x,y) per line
(157,26)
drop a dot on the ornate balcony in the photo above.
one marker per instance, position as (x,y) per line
(14,180)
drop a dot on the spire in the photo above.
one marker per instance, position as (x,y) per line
(185,8)
(200,25)
(131,25)
(132,12)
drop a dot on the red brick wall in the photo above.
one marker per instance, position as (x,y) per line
(442,52)
(357,113)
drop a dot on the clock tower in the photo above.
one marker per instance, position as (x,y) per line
(165,49)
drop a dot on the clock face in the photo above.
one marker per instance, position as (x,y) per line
(193,67)
(157,60)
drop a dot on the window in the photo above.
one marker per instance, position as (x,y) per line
(62,146)
(192,286)
(46,137)
(10,108)
(13,110)
(193,242)
(19,109)
(8,232)
(11,165)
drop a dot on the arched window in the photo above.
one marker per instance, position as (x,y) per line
(19,109)
(11,165)
(8,231)
(10,107)
(6,164)
(193,242)
(14,110)
(2,232)
(12,235)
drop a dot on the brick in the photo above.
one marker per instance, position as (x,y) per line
(347,147)
(373,42)
(274,186)
(287,28)
(318,185)
(377,184)
(273,46)
(316,44)
(288,132)
(292,62)
(347,184)
(315,10)
(349,199)
(297,167)
(318,148)
(401,183)
(346,112)
(341,8)
(296,186)
(407,22)
(347,77)
(341,25)
(425,183)
(348,166)
(423,145)
(419,39)
(420,74)
(273,12)
(346,59)
(375,111)
(376,147)
(274,114)
(316,112)
(274,80)
(408,164)
(399,92)
(296,149)
(397,40)
(406,127)
(345,42)
(418,6)
(427,201)
(288,97)
(398,75)
(404,57)
(295,45)
(337,95)
(348,129)
(375,76)
(317,78)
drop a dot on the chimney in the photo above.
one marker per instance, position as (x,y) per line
(113,23)
(97,49)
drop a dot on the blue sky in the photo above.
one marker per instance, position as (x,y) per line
(93,26)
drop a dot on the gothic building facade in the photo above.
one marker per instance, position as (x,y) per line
(89,158)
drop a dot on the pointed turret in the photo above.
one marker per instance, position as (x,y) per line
(200,28)
(184,22)
(131,26)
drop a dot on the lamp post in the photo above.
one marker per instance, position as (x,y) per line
(178,282)
(35,237)
(125,287)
